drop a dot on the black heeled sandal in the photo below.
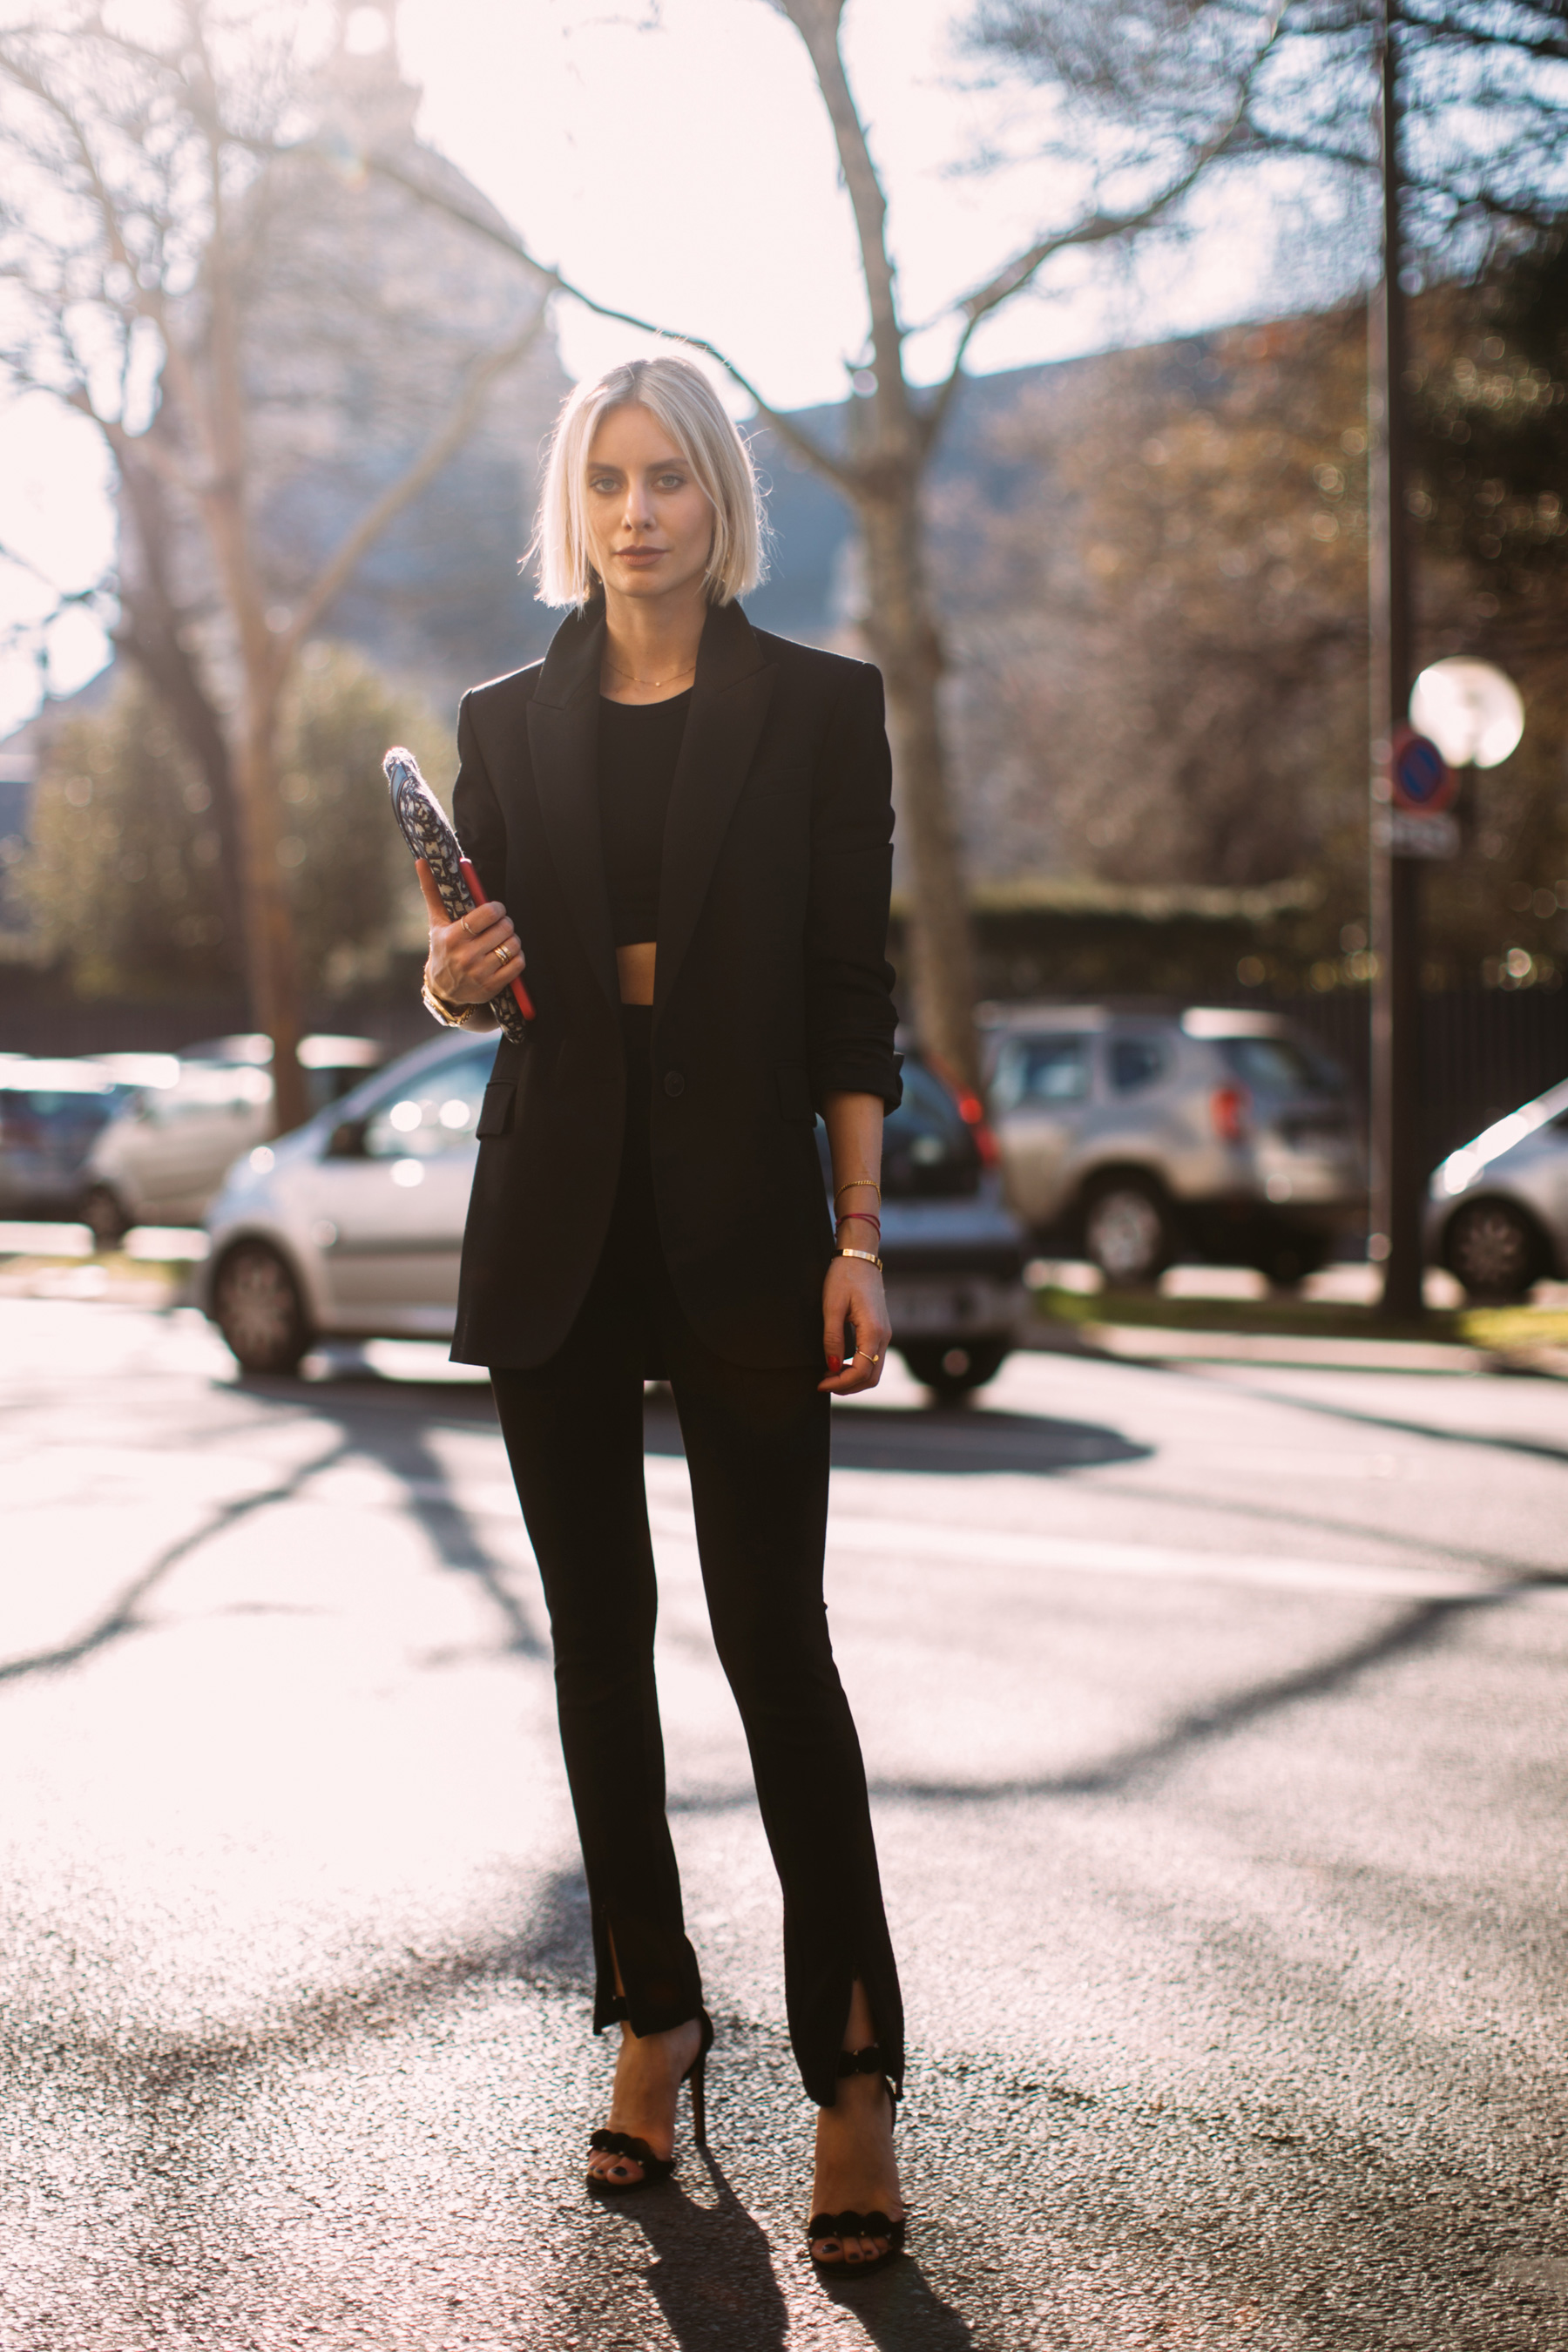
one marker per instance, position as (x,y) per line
(872,2060)
(638,2151)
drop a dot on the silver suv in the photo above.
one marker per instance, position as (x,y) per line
(1139,1138)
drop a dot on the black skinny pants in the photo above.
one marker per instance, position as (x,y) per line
(757,1450)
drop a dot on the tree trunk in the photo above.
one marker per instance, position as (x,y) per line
(150,634)
(271,959)
(907,648)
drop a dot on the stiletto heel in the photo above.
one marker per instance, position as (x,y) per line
(638,2151)
(872,2060)
(697,2076)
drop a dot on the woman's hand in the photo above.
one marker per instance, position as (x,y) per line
(470,961)
(852,1293)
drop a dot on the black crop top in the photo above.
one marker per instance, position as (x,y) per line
(639,743)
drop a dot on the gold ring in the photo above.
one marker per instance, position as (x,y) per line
(870,1359)
(504,952)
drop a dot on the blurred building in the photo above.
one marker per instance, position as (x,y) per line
(366,312)
(363,313)
(1152,567)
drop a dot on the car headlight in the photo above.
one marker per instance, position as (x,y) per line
(1461,1169)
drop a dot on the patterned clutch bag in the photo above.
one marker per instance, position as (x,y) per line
(430,837)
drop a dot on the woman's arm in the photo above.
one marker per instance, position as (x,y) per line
(852,1289)
(471,962)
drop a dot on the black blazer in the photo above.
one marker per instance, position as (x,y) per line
(773,988)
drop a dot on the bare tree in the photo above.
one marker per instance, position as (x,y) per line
(1485,93)
(158,194)
(895,429)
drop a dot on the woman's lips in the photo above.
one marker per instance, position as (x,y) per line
(640,556)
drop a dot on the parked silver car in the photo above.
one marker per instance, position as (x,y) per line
(51,1112)
(1139,1138)
(1497,1213)
(161,1158)
(352,1225)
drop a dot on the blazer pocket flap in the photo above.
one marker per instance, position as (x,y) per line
(495,1111)
(795,1090)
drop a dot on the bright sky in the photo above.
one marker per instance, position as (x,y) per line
(673,157)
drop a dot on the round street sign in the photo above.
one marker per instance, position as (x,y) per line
(1419,776)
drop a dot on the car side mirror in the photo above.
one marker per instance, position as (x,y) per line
(347,1140)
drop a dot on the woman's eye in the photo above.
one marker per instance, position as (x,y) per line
(670,482)
(602,482)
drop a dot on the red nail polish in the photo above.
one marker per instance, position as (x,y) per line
(836,1363)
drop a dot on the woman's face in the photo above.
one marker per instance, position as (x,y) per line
(649,526)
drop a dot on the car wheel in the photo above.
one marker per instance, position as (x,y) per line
(952,1368)
(1495,1250)
(104,1216)
(1289,1259)
(257,1306)
(1129,1232)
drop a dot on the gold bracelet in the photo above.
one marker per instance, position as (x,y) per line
(856,1184)
(452,1016)
(865,1255)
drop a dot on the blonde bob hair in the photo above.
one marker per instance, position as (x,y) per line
(680,396)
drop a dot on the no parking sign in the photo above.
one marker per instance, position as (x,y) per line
(1420,786)
(1418,775)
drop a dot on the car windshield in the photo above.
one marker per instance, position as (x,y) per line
(1135,1062)
(36,1114)
(1040,1070)
(928,1152)
(431,1111)
(926,1148)
(1279,1065)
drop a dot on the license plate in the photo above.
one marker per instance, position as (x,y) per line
(948,1303)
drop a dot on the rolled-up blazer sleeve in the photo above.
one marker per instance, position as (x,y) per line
(475,812)
(850,1013)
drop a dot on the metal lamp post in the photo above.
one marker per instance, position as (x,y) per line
(1397,1172)
(1467,712)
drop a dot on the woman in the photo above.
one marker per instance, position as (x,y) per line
(690,825)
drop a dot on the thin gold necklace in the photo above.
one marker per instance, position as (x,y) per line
(632,678)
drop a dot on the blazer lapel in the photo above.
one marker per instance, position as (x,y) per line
(563,744)
(730,698)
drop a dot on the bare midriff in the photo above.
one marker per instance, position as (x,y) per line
(634,965)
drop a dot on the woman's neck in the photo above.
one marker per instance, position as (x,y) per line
(650,643)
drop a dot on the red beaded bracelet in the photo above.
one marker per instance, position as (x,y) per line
(864,1215)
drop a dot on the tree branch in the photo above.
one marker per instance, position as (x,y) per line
(1548,47)
(821,460)
(817,22)
(62,596)
(447,439)
(1096,228)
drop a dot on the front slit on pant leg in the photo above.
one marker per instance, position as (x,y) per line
(757,1448)
(586,1513)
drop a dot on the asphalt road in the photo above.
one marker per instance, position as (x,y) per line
(1217,1725)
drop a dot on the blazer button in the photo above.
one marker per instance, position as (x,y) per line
(674,1084)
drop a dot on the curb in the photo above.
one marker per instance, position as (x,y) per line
(1130,1343)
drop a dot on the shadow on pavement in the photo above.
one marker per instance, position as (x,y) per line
(375,1425)
(1413,1630)
(122,1616)
(712,2266)
(951,1441)
(900,2312)
(1536,1449)
(954,1439)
